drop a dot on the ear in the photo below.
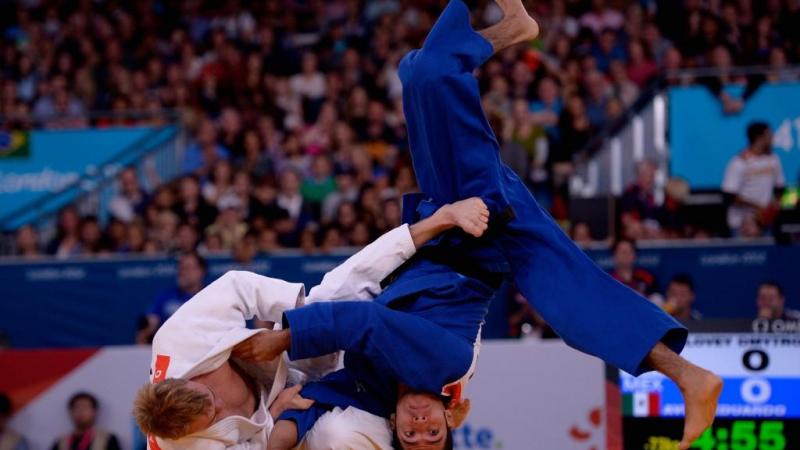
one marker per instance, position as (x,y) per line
(449,419)
(393,421)
(458,411)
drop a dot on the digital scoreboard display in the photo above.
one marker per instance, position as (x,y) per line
(759,406)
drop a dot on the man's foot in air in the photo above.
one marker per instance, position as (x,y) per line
(517,19)
(700,389)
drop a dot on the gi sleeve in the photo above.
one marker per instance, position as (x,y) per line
(359,278)
(218,314)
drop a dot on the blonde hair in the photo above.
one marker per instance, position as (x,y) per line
(167,409)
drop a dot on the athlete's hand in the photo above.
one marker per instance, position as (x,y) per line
(289,398)
(263,346)
(471,215)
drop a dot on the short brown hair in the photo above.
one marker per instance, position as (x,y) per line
(166,409)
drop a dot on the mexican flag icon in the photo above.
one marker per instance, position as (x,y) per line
(641,404)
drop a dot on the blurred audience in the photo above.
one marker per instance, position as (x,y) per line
(9,439)
(85,435)
(771,303)
(300,109)
(628,273)
(679,299)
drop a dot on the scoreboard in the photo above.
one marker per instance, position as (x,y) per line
(759,407)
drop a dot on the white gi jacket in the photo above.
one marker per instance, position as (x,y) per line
(199,337)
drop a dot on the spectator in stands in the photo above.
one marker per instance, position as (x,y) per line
(202,155)
(131,199)
(622,86)
(680,297)
(641,67)
(230,225)
(638,202)
(771,303)
(86,435)
(9,439)
(602,17)
(186,238)
(722,61)
(67,241)
(626,272)
(316,188)
(546,109)
(525,147)
(191,274)
(597,99)
(754,181)
(673,217)
(581,233)
(346,191)
(90,236)
(245,251)
(191,207)
(607,50)
(219,183)
(574,130)
(27,242)
(289,196)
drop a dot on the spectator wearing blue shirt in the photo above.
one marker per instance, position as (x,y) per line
(607,50)
(201,156)
(597,99)
(190,280)
(546,109)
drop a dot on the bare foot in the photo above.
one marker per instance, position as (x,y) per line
(518,19)
(700,389)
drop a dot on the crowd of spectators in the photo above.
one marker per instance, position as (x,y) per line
(295,113)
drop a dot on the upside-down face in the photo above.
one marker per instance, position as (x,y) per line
(421,421)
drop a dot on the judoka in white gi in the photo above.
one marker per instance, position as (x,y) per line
(203,397)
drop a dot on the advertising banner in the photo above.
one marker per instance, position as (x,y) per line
(703,139)
(525,394)
(37,163)
(97,302)
(535,395)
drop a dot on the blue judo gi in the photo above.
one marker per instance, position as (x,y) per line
(420,330)
(427,346)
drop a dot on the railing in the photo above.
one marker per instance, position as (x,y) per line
(608,161)
(159,152)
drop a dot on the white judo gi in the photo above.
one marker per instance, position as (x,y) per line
(200,336)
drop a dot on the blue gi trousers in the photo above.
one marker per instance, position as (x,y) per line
(456,156)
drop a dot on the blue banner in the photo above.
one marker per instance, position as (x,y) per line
(38,163)
(703,139)
(97,302)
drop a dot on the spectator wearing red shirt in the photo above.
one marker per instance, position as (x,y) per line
(626,272)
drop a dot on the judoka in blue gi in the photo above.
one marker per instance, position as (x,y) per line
(421,332)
